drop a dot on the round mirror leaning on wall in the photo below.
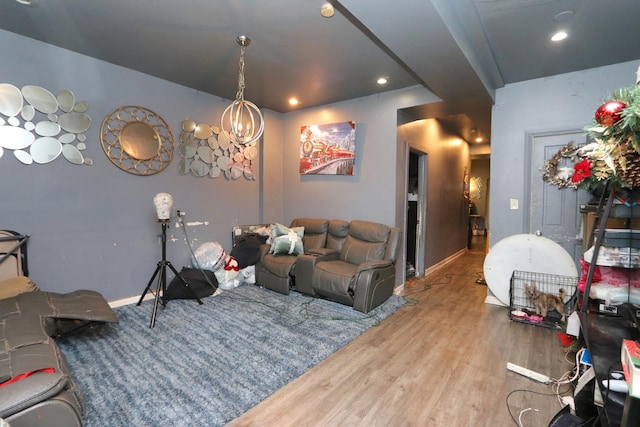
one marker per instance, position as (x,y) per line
(137,140)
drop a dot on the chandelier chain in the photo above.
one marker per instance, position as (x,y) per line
(242,121)
(240,93)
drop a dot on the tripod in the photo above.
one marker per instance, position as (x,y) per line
(161,272)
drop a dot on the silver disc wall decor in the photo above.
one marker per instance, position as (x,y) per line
(40,127)
(206,151)
(137,140)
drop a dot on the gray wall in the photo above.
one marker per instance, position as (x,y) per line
(370,194)
(95,227)
(447,210)
(563,102)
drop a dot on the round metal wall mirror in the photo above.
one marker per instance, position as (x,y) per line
(137,140)
(140,140)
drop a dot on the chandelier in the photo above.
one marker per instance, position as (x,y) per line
(242,121)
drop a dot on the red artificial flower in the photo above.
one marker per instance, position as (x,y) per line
(583,170)
(565,340)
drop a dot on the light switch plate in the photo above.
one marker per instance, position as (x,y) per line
(513,203)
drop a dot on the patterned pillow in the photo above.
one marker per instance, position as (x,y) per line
(286,241)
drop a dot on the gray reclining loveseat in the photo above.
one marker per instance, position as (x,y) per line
(35,386)
(349,262)
(278,272)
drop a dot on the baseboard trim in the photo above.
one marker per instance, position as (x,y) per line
(130,300)
(445,261)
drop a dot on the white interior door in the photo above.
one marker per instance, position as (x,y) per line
(555,212)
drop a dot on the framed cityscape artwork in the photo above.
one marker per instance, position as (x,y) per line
(328,149)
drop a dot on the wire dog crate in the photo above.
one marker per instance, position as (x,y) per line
(529,307)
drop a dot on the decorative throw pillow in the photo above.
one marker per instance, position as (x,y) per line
(280,230)
(286,241)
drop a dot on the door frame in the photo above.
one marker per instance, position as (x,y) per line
(528,165)
(421,231)
(405,148)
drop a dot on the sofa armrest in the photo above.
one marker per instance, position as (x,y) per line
(30,391)
(325,252)
(371,265)
(373,284)
(305,264)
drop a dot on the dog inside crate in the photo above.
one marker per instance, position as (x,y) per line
(541,298)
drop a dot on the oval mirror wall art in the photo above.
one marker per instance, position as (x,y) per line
(208,152)
(137,140)
(45,150)
(41,99)
(32,121)
(66,100)
(10,100)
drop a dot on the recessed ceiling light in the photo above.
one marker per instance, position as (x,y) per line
(327,10)
(560,35)
(382,81)
(24,2)
(293,101)
(479,139)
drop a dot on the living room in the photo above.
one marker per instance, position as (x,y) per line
(91,221)
(94,226)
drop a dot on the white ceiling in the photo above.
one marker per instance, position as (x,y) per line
(462,50)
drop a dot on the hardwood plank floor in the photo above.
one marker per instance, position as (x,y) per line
(438,361)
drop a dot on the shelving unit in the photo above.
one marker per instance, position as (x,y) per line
(603,333)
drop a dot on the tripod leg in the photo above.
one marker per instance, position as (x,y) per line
(161,285)
(184,282)
(155,273)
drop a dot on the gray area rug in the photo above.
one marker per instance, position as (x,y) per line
(204,365)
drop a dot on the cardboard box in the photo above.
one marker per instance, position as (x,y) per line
(615,223)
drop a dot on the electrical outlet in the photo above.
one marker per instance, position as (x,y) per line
(513,204)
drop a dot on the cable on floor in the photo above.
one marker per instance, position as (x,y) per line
(518,421)
(566,379)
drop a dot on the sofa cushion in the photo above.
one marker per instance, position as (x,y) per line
(367,241)
(333,278)
(24,330)
(315,231)
(337,232)
(286,241)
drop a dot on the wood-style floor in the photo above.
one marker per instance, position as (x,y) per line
(438,361)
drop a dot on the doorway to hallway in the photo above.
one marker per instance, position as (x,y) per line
(416,213)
